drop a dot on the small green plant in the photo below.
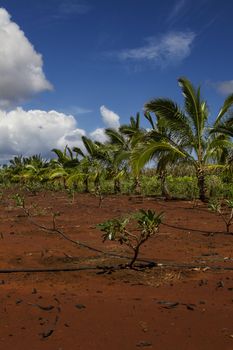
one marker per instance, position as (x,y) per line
(225,211)
(71,194)
(132,230)
(99,194)
(33,187)
(19,200)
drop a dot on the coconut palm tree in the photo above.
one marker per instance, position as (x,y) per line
(28,169)
(91,164)
(64,168)
(223,129)
(117,153)
(66,158)
(153,144)
(134,132)
(187,136)
(124,140)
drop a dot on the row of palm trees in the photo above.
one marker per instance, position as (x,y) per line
(175,136)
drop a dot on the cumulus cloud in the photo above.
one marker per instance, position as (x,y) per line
(21,76)
(35,131)
(99,135)
(110,118)
(21,67)
(72,139)
(170,48)
(224,87)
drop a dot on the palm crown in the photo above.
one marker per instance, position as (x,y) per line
(184,134)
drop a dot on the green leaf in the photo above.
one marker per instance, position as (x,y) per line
(225,108)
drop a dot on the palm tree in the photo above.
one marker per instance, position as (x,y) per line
(187,137)
(154,145)
(66,158)
(124,140)
(223,129)
(134,132)
(66,167)
(28,169)
(92,163)
(117,153)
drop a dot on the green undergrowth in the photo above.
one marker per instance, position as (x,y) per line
(179,187)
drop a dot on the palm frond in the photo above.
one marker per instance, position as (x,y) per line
(137,121)
(150,120)
(122,156)
(170,117)
(223,129)
(57,174)
(196,109)
(59,154)
(89,145)
(115,136)
(78,151)
(67,149)
(75,178)
(147,151)
(225,108)
(132,123)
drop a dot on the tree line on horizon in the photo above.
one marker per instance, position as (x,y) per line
(175,137)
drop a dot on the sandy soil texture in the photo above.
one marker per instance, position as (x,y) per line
(184,302)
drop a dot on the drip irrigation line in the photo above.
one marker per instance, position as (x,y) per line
(50,269)
(148,262)
(191,229)
(116,267)
(76,242)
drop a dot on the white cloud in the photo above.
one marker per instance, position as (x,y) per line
(21,76)
(76,110)
(110,118)
(72,138)
(99,135)
(170,48)
(31,132)
(35,131)
(21,67)
(224,87)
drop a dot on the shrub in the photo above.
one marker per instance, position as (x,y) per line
(147,225)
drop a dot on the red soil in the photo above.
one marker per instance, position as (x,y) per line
(159,308)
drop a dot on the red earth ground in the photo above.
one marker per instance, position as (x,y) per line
(169,306)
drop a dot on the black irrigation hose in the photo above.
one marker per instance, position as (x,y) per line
(191,229)
(149,263)
(50,269)
(116,267)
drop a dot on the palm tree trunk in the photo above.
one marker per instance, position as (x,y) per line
(64,183)
(201,184)
(137,185)
(117,186)
(97,185)
(85,182)
(163,182)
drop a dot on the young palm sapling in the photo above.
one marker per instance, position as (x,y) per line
(225,211)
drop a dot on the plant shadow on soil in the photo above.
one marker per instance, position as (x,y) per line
(125,309)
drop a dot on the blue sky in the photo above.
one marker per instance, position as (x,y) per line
(112,53)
